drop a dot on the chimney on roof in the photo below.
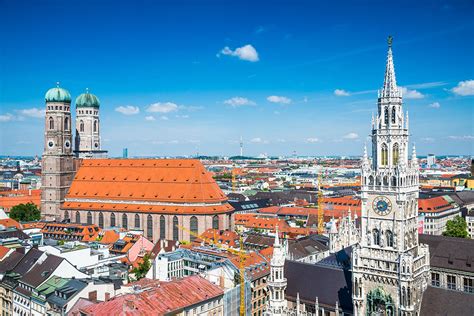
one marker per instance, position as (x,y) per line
(93,296)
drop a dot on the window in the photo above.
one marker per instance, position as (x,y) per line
(384,155)
(215,222)
(395,154)
(125,221)
(112,220)
(81,126)
(51,123)
(451,282)
(435,279)
(149,227)
(175,228)
(89,218)
(394,112)
(66,123)
(78,217)
(95,126)
(468,285)
(386,115)
(66,215)
(137,221)
(389,236)
(101,220)
(193,227)
(376,236)
(162,227)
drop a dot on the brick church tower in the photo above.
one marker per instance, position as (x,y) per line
(57,163)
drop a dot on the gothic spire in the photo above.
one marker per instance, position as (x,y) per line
(390,82)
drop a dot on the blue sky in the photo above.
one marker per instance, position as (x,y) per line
(180,77)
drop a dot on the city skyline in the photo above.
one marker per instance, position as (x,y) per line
(291,80)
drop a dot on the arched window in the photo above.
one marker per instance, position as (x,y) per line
(386,115)
(66,123)
(394,112)
(101,220)
(389,237)
(66,215)
(112,220)
(51,123)
(175,228)
(89,218)
(81,126)
(125,221)
(395,154)
(78,217)
(162,227)
(385,180)
(95,126)
(371,180)
(193,227)
(376,236)
(215,222)
(408,296)
(394,181)
(149,227)
(137,221)
(384,155)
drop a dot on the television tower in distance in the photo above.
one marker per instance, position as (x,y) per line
(241,147)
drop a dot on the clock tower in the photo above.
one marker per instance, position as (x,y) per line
(389,267)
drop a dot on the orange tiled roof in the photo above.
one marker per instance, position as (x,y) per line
(108,236)
(432,205)
(159,181)
(3,251)
(226,237)
(9,199)
(67,231)
(9,222)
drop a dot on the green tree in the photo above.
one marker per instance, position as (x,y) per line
(143,267)
(25,212)
(456,227)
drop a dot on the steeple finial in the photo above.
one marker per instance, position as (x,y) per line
(57,84)
(390,83)
(87,90)
(277,238)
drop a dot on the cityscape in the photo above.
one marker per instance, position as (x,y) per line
(144,173)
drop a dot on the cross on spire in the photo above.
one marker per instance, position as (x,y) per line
(390,82)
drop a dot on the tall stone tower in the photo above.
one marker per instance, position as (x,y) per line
(57,163)
(390,267)
(277,304)
(87,140)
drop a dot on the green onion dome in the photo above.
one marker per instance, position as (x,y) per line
(87,100)
(58,94)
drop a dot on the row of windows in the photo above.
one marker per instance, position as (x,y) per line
(88,112)
(377,238)
(66,123)
(393,116)
(395,154)
(50,107)
(193,223)
(468,283)
(95,127)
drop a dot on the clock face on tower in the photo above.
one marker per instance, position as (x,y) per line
(382,205)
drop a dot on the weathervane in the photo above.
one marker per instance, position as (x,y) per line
(390,40)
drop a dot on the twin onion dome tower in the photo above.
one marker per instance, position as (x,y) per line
(58,158)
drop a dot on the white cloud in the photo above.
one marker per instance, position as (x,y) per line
(162,107)
(150,118)
(279,99)
(247,52)
(312,140)
(128,109)
(190,108)
(341,93)
(464,88)
(434,105)
(427,139)
(351,136)
(239,101)
(411,94)
(6,117)
(164,118)
(464,137)
(33,112)
(182,116)
(256,140)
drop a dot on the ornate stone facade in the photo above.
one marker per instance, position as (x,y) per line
(57,163)
(390,269)
(347,234)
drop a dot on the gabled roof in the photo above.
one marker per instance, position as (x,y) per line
(440,301)
(164,180)
(42,271)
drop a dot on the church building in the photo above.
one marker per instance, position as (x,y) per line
(170,199)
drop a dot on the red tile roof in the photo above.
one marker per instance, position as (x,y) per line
(8,222)
(164,298)
(226,237)
(8,199)
(146,185)
(3,252)
(432,205)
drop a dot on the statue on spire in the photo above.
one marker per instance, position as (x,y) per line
(390,40)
